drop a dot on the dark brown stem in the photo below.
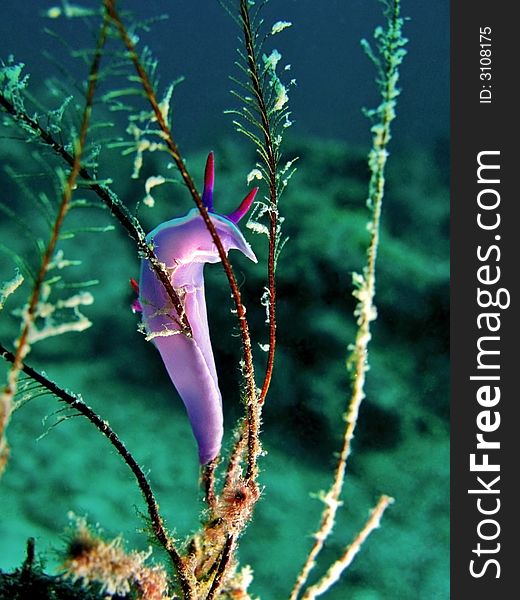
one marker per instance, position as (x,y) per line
(208,484)
(272,309)
(153,509)
(271,165)
(225,559)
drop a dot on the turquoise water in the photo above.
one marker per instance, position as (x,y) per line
(401,446)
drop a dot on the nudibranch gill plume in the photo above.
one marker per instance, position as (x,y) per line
(184,245)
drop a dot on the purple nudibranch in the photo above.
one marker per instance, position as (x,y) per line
(184,245)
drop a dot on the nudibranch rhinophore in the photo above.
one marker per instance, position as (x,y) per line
(184,245)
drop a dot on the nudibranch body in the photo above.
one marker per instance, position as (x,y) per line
(184,245)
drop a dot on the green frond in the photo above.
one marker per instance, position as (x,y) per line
(243,84)
(89,183)
(245,100)
(69,414)
(28,390)
(243,61)
(56,115)
(70,233)
(146,24)
(116,94)
(263,114)
(253,137)
(23,181)
(13,83)
(150,64)
(230,9)
(84,203)
(78,285)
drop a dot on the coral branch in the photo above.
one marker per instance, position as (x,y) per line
(22,344)
(77,404)
(392,53)
(271,164)
(334,573)
(225,560)
(208,484)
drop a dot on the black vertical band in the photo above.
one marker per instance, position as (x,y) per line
(485,356)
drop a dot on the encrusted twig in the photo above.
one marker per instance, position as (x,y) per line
(334,573)
(224,563)
(22,344)
(270,158)
(391,52)
(75,402)
(271,164)
(208,484)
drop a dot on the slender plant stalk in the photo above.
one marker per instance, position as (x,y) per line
(253,413)
(365,311)
(336,570)
(77,404)
(225,560)
(271,164)
(22,346)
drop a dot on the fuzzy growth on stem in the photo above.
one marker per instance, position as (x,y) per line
(390,54)
(91,559)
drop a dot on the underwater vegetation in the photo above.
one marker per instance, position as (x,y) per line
(69,173)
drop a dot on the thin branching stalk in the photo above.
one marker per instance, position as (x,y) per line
(392,53)
(225,561)
(208,484)
(271,164)
(156,520)
(270,159)
(333,575)
(22,344)
(252,404)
